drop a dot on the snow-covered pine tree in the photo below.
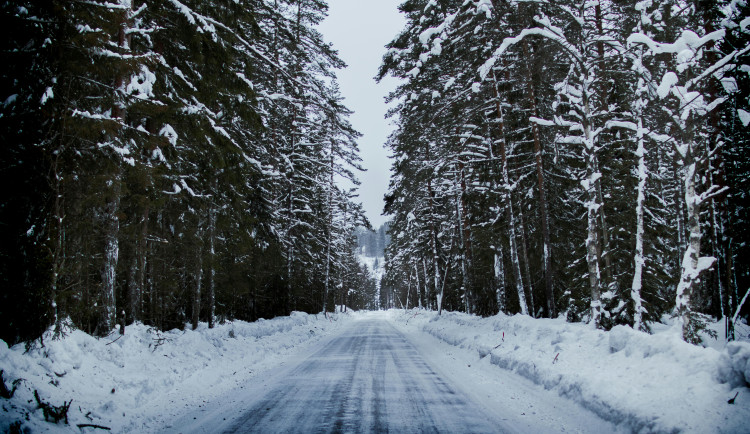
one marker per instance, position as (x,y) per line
(691,98)
(571,80)
(106,90)
(30,208)
(153,125)
(735,133)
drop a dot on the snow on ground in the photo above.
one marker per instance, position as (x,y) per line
(374,378)
(639,382)
(145,380)
(138,382)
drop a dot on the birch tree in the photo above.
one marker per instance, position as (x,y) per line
(690,102)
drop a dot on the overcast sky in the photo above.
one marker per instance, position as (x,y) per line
(359,30)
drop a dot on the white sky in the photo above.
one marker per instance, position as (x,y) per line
(359,30)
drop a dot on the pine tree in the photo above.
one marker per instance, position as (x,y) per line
(30,236)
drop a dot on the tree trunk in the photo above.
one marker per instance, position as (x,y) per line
(136,275)
(433,244)
(679,200)
(464,243)
(131,289)
(57,256)
(732,296)
(427,296)
(525,255)
(111,256)
(408,291)
(715,172)
(515,264)
(640,260)
(112,222)
(143,249)
(329,238)
(438,289)
(604,247)
(592,209)
(197,288)
(547,253)
(419,288)
(211,267)
(692,263)
(500,280)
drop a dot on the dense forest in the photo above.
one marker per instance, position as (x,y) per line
(372,243)
(578,158)
(170,162)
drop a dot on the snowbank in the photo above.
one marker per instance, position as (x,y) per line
(646,383)
(139,382)
(136,382)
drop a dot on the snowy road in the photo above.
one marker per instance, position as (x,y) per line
(374,378)
(369,379)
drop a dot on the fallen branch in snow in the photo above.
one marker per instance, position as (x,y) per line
(494,348)
(90,425)
(115,340)
(731,401)
(158,340)
(57,413)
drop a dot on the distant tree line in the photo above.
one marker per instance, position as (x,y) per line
(371,243)
(172,162)
(585,158)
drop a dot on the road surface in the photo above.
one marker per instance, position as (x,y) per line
(369,379)
(374,379)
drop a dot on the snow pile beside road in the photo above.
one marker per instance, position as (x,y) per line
(647,383)
(135,382)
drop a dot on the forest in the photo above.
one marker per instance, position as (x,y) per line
(580,158)
(172,161)
(372,243)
